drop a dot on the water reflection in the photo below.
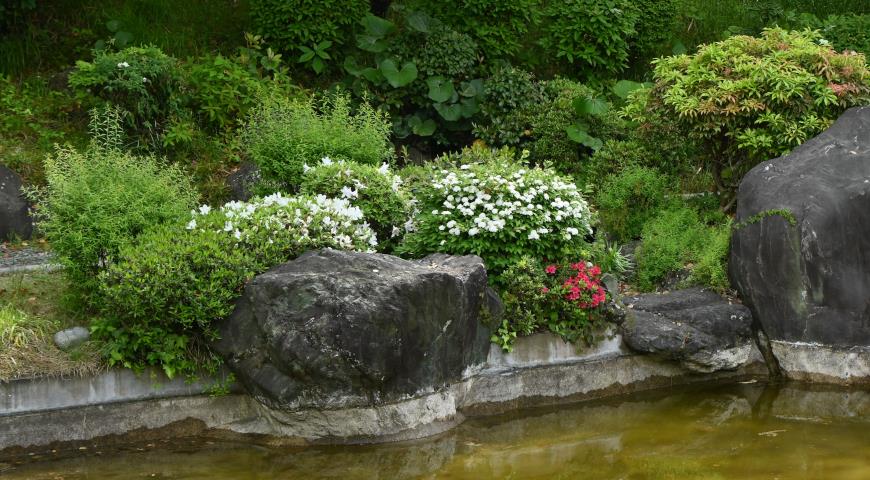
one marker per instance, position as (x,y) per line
(738,431)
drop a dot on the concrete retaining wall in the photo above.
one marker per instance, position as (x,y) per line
(542,369)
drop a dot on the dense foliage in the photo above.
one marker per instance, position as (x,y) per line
(172,283)
(97,200)
(627,200)
(749,99)
(291,24)
(282,136)
(566,299)
(143,81)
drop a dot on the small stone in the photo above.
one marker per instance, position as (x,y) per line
(71,338)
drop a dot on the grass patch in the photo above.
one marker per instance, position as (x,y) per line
(31,311)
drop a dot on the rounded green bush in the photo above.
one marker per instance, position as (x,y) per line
(98,200)
(500,210)
(670,240)
(509,93)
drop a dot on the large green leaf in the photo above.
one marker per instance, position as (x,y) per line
(471,88)
(450,112)
(377,26)
(470,106)
(420,22)
(440,88)
(423,128)
(591,106)
(625,87)
(371,43)
(398,78)
(578,134)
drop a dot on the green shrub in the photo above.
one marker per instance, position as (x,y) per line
(628,199)
(669,241)
(421,71)
(848,32)
(99,199)
(375,190)
(552,118)
(497,25)
(171,284)
(655,25)
(222,90)
(565,299)
(747,99)
(508,94)
(142,80)
(592,35)
(290,24)
(711,267)
(499,210)
(283,135)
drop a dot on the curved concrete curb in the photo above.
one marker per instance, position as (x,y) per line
(542,370)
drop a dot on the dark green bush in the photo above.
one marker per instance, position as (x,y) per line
(628,199)
(551,119)
(848,32)
(590,35)
(497,25)
(655,25)
(290,24)
(284,135)
(143,81)
(509,93)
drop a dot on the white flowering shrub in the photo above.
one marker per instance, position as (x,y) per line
(501,211)
(377,191)
(168,287)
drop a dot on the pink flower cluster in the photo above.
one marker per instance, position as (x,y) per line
(583,285)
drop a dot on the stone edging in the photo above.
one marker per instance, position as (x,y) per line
(542,370)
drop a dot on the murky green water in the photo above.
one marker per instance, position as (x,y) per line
(732,432)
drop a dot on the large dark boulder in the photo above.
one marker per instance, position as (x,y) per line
(806,273)
(336,329)
(698,328)
(15,221)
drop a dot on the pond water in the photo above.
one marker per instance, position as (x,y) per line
(743,431)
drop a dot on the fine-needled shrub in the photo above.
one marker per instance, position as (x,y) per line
(669,241)
(499,210)
(99,199)
(628,199)
(290,24)
(171,284)
(377,191)
(749,99)
(283,135)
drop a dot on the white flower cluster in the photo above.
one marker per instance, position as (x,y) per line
(307,218)
(352,193)
(474,200)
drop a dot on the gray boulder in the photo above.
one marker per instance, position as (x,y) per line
(15,221)
(71,338)
(807,278)
(699,329)
(242,181)
(336,329)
